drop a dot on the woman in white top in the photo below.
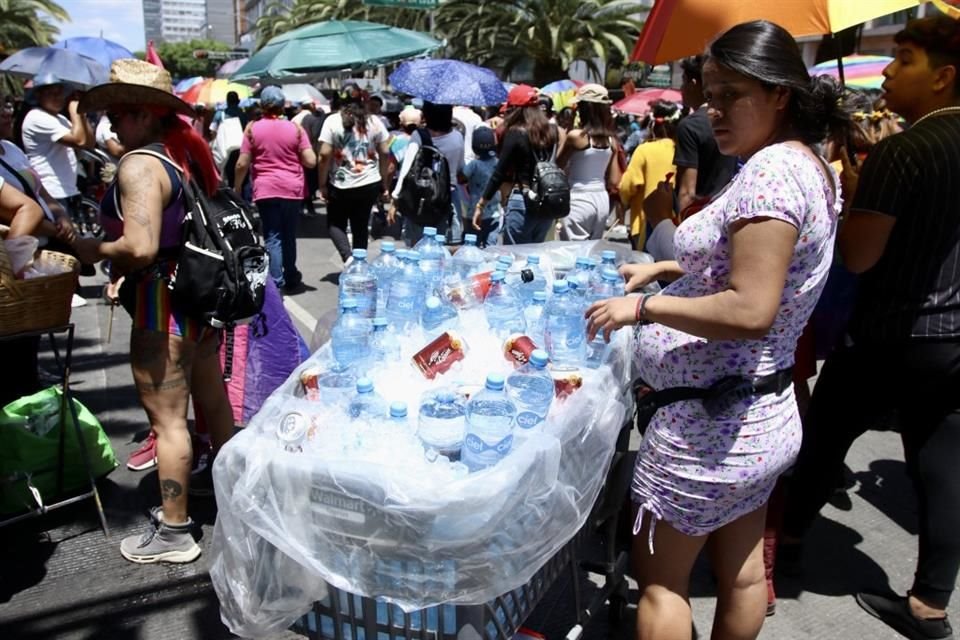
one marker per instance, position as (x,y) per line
(589,155)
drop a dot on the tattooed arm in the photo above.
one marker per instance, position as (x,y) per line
(144,187)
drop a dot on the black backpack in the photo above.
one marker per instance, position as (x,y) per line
(549,193)
(222,270)
(425,192)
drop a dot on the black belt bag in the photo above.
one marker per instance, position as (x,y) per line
(718,398)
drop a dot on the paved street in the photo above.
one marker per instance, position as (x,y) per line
(61,579)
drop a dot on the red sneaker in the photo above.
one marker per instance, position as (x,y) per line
(146,456)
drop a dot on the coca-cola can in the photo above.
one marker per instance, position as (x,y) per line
(517,349)
(566,382)
(442,353)
(310,381)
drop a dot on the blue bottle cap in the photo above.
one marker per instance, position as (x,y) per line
(582,261)
(539,358)
(507,260)
(591,262)
(387,247)
(497,276)
(364,385)
(359,254)
(534,259)
(470,238)
(495,381)
(560,286)
(348,303)
(429,231)
(433,303)
(413,256)
(445,396)
(610,275)
(379,321)
(439,237)
(540,296)
(608,255)
(398,409)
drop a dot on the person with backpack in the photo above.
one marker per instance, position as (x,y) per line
(527,160)
(441,141)
(173,351)
(277,151)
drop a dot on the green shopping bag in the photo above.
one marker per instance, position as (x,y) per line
(29,445)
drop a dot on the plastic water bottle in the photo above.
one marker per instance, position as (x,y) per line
(350,336)
(432,258)
(503,309)
(564,328)
(442,243)
(533,315)
(398,414)
(385,267)
(366,403)
(468,259)
(438,316)
(608,260)
(580,277)
(406,294)
(611,286)
(337,386)
(531,389)
(442,423)
(490,418)
(359,282)
(384,345)
(534,281)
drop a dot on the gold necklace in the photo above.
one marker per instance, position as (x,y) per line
(937,112)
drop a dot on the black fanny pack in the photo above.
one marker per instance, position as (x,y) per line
(717,399)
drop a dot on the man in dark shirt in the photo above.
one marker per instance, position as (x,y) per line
(903,235)
(702,170)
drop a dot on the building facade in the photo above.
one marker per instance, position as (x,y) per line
(185,20)
(251,10)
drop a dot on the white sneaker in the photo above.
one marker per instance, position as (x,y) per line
(347,263)
(77,301)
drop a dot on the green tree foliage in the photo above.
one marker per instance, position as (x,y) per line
(179,59)
(278,18)
(26,23)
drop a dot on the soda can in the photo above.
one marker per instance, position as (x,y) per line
(292,431)
(437,357)
(517,349)
(310,381)
(566,382)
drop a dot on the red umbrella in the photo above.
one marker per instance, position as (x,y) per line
(638,103)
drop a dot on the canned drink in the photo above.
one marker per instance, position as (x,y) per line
(517,349)
(310,381)
(437,357)
(566,382)
(292,431)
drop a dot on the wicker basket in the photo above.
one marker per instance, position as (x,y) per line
(37,303)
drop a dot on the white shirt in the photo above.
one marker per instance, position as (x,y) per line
(356,161)
(449,144)
(470,122)
(55,163)
(104,133)
(13,156)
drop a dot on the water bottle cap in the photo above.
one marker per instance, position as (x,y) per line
(359,254)
(379,321)
(610,274)
(582,261)
(591,262)
(348,303)
(387,247)
(433,303)
(534,259)
(507,260)
(539,358)
(497,276)
(470,238)
(364,385)
(446,396)
(413,256)
(560,286)
(440,237)
(540,296)
(608,255)
(429,231)
(398,409)
(495,381)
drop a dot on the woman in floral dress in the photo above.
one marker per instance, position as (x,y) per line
(750,267)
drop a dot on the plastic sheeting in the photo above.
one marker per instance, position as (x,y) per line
(391,525)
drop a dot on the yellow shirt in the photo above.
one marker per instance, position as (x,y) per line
(650,164)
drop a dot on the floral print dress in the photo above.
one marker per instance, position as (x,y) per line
(698,473)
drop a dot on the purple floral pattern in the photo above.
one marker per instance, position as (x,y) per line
(698,473)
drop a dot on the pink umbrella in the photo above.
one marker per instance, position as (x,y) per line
(638,103)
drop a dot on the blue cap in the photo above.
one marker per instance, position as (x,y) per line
(46,79)
(430,231)
(610,274)
(592,262)
(582,261)
(379,321)
(497,276)
(505,260)
(439,236)
(470,238)
(534,259)
(608,255)
(272,96)
(348,303)
(433,303)
(364,385)
(360,254)
(540,296)
(445,395)
(387,246)
(398,409)
(413,256)
(495,381)
(539,358)
(560,286)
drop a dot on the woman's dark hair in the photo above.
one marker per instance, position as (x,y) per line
(662,119)
(354,116)
(438,117)
(692,68)
(939,37)
(766,52)
(535,123)
(596,121)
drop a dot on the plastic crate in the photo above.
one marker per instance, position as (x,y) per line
(346,616)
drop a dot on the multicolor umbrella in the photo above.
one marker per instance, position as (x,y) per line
(97,49)
(449,82)
(67,65)
(213,91)
(560,86)
(186,83)
(679,28)
(230,67)
(861,72)
(638,103)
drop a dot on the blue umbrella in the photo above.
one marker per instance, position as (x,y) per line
(97,49)
(449,82)
(70,67)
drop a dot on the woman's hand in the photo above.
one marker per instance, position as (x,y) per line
(639,275)
(391,212)
(849,176)
(609,315)
(477,215)
(88,250)
(66,232)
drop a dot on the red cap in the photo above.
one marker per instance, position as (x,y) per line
(522,95)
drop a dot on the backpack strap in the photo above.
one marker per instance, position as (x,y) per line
(426,140)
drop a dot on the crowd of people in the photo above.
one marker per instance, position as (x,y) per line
(763,192)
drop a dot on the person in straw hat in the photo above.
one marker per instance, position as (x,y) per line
(172,354)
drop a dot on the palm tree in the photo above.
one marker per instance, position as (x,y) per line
(552,34)
(279,18)
(24,23)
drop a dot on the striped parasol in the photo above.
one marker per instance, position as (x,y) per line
(860,72)
(211,92)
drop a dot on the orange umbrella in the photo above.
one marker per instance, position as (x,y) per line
(679,28)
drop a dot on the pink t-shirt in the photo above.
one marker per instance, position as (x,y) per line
(275,158)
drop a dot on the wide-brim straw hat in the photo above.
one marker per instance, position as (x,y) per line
(135,82)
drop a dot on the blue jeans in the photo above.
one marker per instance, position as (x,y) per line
(518,228)
(279,216)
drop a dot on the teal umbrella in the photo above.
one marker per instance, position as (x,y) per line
(331,46)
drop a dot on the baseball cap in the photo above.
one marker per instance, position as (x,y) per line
(272,97)
(593,93)
(484,140)
(411,115)
(522,95)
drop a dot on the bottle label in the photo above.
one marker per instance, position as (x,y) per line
(478,453)
(528,419)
